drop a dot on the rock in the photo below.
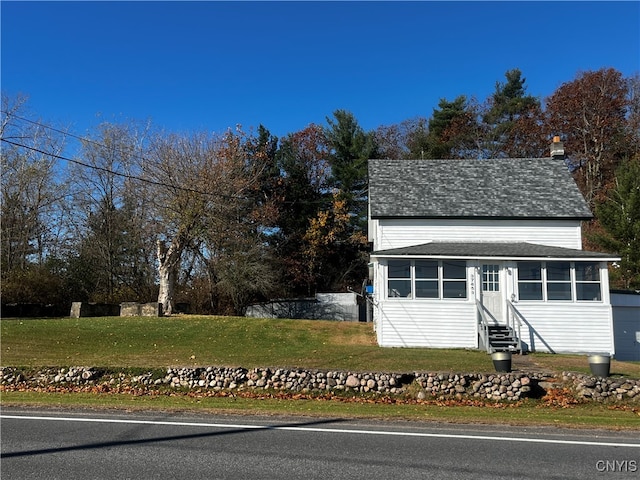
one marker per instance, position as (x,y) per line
(352,381)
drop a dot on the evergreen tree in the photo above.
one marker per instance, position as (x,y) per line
(351,148)
(508,105)
(619,214)
(449,129)
(302,161)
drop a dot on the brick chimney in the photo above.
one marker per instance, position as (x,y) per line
(557,148)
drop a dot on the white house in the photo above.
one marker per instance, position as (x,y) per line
(485,254)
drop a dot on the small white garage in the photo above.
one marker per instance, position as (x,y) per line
(625,307)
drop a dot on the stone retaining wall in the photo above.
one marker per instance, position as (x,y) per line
(600,389)
(508,386)
(494,387)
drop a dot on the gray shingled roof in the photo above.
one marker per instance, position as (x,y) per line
(492,249)
(495,188)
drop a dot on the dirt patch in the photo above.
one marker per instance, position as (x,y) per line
(347,333)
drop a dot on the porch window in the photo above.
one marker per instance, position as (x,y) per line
(559,281)
(428,279)
(530,280)
(588,281)
(454,279)
(400,278)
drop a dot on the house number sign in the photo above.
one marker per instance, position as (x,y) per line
(472,285)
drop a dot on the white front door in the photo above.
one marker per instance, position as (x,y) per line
(491,290)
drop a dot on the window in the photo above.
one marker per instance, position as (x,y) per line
(454,279)
(530,280)
(588,281)
(490,278)
(400,278)
(559,281)
(427,279)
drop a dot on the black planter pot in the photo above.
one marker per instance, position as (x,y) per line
(600,365)
(501,361)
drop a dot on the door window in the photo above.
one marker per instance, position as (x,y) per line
(491,278)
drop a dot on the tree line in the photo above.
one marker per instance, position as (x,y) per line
(220,221)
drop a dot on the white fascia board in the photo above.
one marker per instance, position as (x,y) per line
(514,259)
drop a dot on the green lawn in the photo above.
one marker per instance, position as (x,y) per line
(236,341)
(157,343)
(223,341)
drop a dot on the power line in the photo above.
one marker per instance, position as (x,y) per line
(64,132)
(119,174)
(128,176)
(103,169)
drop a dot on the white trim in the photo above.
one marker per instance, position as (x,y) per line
(501,258)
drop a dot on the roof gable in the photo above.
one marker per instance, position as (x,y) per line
(495,188)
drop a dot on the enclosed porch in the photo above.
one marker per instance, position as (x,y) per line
(514,297)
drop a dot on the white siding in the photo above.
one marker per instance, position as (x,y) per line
(567,328)
(398,233)
(436,324)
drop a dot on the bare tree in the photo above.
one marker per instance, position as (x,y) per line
(111,213)
(31,190)
(205,200)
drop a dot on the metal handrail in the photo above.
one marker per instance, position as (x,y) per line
(515,315)
(484,326)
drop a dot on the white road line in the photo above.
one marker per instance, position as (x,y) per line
(323,430)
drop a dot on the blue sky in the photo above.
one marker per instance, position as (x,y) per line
(207,66)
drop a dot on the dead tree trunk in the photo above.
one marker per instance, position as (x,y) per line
(168,263)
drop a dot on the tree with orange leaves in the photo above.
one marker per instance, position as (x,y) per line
(589,114)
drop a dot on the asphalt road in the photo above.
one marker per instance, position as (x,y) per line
(97,445)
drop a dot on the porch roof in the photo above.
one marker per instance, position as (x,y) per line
(502,250)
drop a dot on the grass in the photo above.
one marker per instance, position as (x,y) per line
(578,363)
(156,343)
(152,342)
(528,413)
(228,341)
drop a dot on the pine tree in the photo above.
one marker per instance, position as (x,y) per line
(619,214)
